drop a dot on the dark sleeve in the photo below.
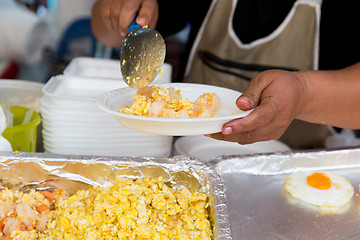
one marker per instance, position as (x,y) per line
(255,19)
(174,15)
(339,34)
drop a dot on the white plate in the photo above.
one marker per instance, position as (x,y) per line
(82,136)
(77,115)
(68,103)
(205,148)
(114,100)
(105,139)
(107,69)
(154,152)
(93,68)
(63,87)
(86,131)
(94,130)
(140,146)
(71,105)
(78,118)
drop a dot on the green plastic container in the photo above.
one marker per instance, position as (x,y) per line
(22,137)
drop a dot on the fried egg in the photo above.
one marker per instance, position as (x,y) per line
(322,189)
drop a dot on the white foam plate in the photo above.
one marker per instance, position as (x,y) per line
(86,130)
(107,69)
(107,145)
(114,100)
(77,88)
(76,115)
(80,122)
(205,148)
(69,137)
(134,153)
(119,151)
(93,68)
(69,105)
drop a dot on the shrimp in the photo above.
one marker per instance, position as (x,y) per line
(44,211)
(145,91)
(173,93)
(26,214)
(6,208)
(2,224)
(209,100)
(206,113)
(13,224)
(206,105)
(195,111)
(168,113)
(183,113)
(156,109)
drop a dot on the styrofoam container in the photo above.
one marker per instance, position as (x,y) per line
(89,151)
(82,124)
(110,138)
(93,68)
(102,148)
(107,142)
(107,69)
(75,115)
(68,103)
(70,137)
(71,132)
(98,144)
(205,148)
(108,133)
(153,152)
(79,88)
(80,129)
(50,103)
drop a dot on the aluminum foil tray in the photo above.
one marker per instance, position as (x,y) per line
(260,209)
(23,171)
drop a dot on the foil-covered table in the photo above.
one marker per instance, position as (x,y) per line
(259,208)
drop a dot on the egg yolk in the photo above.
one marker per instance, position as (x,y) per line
(319,181)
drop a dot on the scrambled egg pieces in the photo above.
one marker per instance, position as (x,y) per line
(139,209)
(156,101)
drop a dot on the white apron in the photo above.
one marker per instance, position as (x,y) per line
(220,58)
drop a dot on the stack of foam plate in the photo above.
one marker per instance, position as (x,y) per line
(205,148)
(107,69)
(73,124)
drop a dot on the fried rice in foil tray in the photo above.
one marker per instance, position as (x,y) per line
(46,172)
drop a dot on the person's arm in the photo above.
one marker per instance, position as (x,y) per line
(110,19)
(278,97)
(333,97)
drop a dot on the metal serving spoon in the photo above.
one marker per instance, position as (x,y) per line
(142,55)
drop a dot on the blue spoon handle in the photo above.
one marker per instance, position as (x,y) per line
(133,26)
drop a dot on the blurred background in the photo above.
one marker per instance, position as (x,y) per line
(40,37)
